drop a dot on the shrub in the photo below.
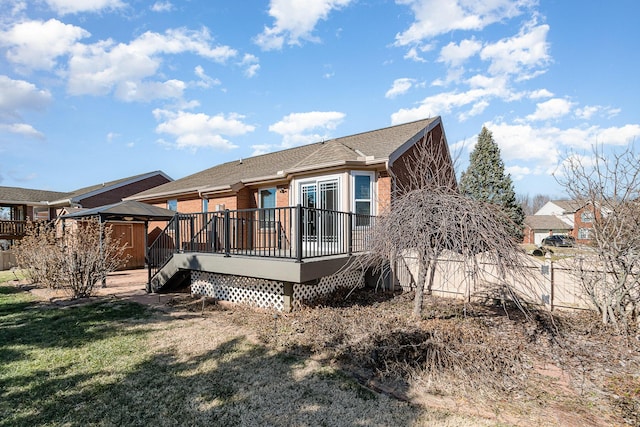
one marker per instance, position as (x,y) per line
(82,257)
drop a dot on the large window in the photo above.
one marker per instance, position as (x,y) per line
(363,197)
(586,216)
(267,204)
(41,213)
(584,233)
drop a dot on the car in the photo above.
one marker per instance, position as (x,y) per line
(559,240)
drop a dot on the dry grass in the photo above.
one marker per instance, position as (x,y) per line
(472,359)
(361,361)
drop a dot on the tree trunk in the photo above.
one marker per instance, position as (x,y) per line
(422,276)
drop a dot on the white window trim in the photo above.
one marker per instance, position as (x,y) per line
(314,180)
(372,190)
(267,224)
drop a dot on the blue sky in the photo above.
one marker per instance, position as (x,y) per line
(96,90)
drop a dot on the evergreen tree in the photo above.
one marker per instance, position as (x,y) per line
(485,180)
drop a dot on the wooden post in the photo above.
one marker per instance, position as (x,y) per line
(288,297)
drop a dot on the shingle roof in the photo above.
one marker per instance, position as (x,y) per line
(18,195)
(546,222)
(568,205)
(86,190)
(376,144)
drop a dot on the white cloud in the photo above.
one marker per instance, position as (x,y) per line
(250,62)
(540,93)
(302,128)
(112,135)
(162,6)
(552,109)
(399,87)
(520,55)
(38,44)
(96,69)
(199,130)
(22,129)
(205,80)
(295,21)
(436,17)
(147,91)
(455,55)
(543,147)
(587,111)
(63,7)
(296,123)
(518,173)
(18,95)
(444,103)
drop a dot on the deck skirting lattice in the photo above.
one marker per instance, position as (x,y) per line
(266,293)
(307,293)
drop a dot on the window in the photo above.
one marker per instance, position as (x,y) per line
(584,233)
(362,198)
(40,213)
(172,205)
(205,205)
(586,216)
(267,204)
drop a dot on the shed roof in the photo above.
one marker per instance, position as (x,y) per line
(367,147)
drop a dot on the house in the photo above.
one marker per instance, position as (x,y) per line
(19,204)
(568,217)
(537,227)
(271,228)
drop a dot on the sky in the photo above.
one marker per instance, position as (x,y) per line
(96,90)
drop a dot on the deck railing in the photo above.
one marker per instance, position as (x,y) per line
(294,232)
(12,229)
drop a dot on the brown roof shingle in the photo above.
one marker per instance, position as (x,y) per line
(377,144)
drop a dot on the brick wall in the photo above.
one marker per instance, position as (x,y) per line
(578,222)
(384,192)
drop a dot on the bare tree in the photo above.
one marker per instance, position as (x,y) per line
(531,205)
(609,187)
(76,262)
(428,217)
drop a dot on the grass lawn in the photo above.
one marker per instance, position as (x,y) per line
(120,363)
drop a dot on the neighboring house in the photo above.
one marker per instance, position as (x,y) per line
(537,227)
(17,205)
(576,220)
(299,204)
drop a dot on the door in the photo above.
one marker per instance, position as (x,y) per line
(320,222)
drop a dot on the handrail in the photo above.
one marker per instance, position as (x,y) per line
(293,232)
(12,228)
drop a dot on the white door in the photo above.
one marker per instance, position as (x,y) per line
(320,221)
